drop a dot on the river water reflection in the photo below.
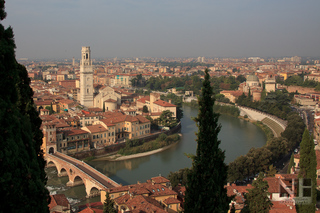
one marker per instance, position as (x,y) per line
(237,137)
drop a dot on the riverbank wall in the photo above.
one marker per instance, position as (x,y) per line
(276,124)
(116,147)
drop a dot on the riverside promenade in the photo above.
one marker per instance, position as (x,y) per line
(276,124)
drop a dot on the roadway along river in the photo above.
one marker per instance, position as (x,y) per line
(237,137)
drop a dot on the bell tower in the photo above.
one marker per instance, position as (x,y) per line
(86,78)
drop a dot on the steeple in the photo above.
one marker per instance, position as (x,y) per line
(86,78)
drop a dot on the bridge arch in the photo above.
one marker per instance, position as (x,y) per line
(51,150)
(78,181)
(94,191)
(51,164)
(67,165)
(63,172)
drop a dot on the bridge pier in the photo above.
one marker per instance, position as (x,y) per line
(94,194)
(62,174)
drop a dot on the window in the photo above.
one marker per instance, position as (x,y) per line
(93,137)
(105,134)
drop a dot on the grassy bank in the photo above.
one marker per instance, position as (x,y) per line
(267,131)
(222,109)
(133,147)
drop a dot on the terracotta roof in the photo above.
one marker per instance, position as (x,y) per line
(122,199)
(282,207)
(75,132)
(143,204)
(58,200)
(274,184)
(164,103)
(96,128)
(110,100)
(171,200)
(66,101)
(95,109)
(91,210)
(144,99)
(235,93)
(160,179)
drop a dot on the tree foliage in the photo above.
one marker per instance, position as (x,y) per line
(179,177)
(294,130)
(23,178)
(291,164)
(167,119)
(275,103)
(145,109)
(205,190)
(108,205)
(308,165)
(257,200)
(255,161)
(278,147)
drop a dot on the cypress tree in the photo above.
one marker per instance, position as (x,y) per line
(257,200)
(205,190)
(308,169)
(23,178)
(108,205)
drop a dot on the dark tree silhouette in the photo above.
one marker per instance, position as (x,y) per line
(23,178)
(205,190)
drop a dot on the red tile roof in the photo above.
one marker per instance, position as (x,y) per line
(144,99)
(96,128)
(274,184)
(160,179)
(171,200)
(58,200)
(282,207)
(164,103)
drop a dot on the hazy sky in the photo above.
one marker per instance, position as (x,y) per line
(165,28)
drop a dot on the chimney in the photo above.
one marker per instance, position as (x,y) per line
(228,184)
(170,101)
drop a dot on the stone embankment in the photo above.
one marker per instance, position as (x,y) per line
(276,124)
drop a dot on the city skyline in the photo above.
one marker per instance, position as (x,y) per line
(58,29)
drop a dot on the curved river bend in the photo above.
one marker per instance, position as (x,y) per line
(237,137)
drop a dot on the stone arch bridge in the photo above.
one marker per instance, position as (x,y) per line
(80,173)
